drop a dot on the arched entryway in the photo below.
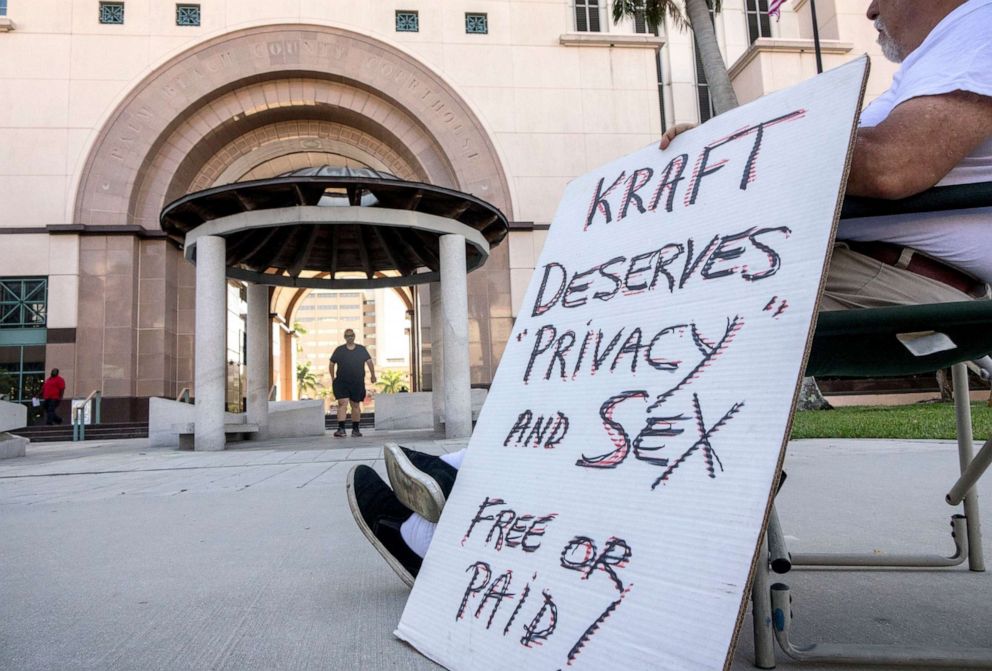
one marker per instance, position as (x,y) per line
(252,104)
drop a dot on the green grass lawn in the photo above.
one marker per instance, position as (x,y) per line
(923,421)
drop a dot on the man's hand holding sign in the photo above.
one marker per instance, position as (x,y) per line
(617,482)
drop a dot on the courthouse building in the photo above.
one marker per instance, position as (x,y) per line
(110,110)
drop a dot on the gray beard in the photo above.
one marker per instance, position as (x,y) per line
(889,48)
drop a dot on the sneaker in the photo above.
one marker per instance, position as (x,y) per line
(422,482)
(379,515)
(340,433)
(355,433)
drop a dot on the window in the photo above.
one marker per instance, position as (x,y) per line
(22,372)
(706,111)
(3,7)
(407,21)
(187,15)
(23,302)
(758,23)
(477,24)
(587,16)
(112,12)
(23,317)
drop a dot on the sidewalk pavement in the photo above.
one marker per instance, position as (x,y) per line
(115,555)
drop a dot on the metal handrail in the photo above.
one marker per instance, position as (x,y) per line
(79,415)
(183,396)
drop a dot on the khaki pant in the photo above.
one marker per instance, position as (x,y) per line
(858,281)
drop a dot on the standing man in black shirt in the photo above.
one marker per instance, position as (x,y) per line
(348,381)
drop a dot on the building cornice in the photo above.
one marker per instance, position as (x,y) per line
(84,229)
(611,40)
(786,46)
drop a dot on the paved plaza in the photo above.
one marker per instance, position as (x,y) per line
(119,556)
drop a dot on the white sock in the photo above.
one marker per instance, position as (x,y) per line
(454,459)
(417,533)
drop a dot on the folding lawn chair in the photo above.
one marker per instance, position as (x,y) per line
(887,342)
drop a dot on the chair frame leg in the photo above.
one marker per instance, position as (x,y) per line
(868,655)
(962,406)
(779,558)
(959,535)
(965,529)
(761,611)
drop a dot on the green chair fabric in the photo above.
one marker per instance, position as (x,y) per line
(863,343)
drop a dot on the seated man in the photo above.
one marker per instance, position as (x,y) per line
(933,127)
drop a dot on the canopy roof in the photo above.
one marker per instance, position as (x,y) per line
(390,224)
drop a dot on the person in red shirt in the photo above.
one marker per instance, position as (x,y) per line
(51,393)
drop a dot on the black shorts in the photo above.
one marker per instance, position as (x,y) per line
(342,389)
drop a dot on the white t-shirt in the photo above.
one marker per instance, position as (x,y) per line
(955,56)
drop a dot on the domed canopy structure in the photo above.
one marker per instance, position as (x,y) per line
(303,229)
(332,220)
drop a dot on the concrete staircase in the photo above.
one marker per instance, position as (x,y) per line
(49,434)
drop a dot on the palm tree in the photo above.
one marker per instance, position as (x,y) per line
(391,381)
(697,17)
(306,378)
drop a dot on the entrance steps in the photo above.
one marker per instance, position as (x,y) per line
(40,433)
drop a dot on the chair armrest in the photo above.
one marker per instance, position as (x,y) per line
(937,199)
(906,318)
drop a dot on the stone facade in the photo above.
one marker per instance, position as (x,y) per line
(104,124)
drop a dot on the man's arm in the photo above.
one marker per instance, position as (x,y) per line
(330,367)
(368,362)
(918,144)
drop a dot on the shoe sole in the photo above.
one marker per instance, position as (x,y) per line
(416,490)
(394,563)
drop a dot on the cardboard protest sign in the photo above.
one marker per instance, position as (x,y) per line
(611,502)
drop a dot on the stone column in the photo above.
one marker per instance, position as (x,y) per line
(454,299)
(259,328)
(209,371)
(437,356)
